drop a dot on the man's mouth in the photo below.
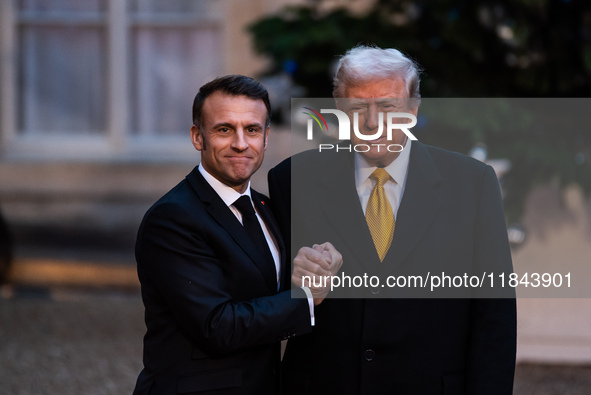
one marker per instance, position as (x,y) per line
(239,158)
(380,140)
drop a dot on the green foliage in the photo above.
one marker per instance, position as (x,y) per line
(469,49)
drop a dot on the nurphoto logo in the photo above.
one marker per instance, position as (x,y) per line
(392,119)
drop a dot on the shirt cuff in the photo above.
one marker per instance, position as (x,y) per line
(310,304)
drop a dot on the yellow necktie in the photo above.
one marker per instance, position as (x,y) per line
(379,214)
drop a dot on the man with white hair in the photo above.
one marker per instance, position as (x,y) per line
(396,213)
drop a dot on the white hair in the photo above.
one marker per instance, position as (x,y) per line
(365,63)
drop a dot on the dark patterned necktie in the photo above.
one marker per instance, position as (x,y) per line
(253,228)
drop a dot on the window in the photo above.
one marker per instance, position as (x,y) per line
(96,78)
(164,41)
(61,67)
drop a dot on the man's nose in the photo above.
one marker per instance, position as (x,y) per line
(372,118)
(239,142)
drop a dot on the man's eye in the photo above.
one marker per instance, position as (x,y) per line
(252,130)
(389,106)
(224,130)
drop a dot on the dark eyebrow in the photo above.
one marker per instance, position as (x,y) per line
(219,125)
(230,126)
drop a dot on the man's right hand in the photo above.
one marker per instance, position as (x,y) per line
(313,268)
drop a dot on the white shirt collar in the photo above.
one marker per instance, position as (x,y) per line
(228,194)
(397,169)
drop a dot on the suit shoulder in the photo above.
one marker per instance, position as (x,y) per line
(282,168)
(440,154)
(174,202)
(456,162)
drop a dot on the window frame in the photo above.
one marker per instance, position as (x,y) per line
(117,141)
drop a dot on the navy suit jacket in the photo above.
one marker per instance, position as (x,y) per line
(450,218)
(213,315)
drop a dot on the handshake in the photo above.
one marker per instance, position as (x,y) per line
(314,264)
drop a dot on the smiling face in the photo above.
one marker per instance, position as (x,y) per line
(232,138)
(368,100)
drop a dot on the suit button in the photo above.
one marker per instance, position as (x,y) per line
(369,355)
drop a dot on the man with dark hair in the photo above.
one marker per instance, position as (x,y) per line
(212,263)
(395,213)
(232,85)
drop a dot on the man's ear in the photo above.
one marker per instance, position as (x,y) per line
(413,103)
(197,138)
(266,137)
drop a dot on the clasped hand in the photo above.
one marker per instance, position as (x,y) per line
(317,265)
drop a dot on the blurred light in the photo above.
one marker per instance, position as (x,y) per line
(290,66)
(516,235)
(505,32)
(580,158)
(500,166)
(479,152)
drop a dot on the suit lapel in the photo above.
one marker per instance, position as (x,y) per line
(343,210)
(262,206)
(226,219)
(420,204)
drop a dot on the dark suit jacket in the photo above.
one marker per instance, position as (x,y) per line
(450,217)
(213,315)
